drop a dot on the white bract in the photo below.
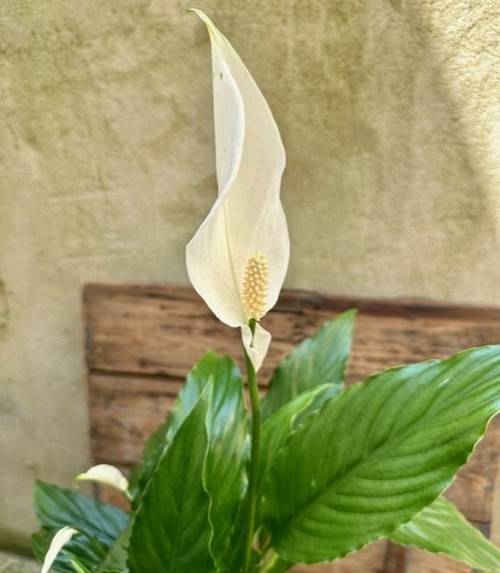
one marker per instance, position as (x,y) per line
(58,541)
(238,258)
(107,475)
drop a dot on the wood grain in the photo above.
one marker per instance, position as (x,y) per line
(143,339)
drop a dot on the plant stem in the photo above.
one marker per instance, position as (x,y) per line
(276,565)
(254,456)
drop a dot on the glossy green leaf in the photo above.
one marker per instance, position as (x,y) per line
(227,423)
(274,433)
(235,553)
(142,472)
(226,377)
(320,359)
(57,506)
(277,428)
(276,564)
(441,528)
(378,454)
(228,450)
(79,567)
(99,523)
(227,394)
(115,560)
(172,531)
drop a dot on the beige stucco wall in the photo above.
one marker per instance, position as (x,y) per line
(387,110)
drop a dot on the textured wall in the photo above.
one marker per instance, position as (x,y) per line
(387,110)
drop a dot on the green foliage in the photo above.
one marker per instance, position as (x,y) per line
(337,468)
(227,414)
(79,566)
(172,530)
(227,455)
(378,454)
(441,528)
(318,360)
(99,525)
(277,428)
(117,556)
(57,506)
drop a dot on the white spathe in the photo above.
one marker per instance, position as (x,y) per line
(247,217)
(58,541)
(107,475)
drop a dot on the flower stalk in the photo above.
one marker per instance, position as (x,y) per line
(253,390)
(276,564)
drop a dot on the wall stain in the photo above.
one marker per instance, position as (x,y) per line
(9,413)
(4,308)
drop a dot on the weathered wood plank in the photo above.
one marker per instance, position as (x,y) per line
(142,340)
(164,329)
(473,490)
(495,520)
(124,411)
(417,561)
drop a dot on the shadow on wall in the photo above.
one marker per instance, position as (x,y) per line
(15,542)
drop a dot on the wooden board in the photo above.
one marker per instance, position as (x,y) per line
(143,339)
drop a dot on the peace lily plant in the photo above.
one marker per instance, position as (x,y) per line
(313,471)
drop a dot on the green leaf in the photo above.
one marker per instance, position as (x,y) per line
(57,506)
(228,451)
(441,528)
(276,564)
(274,433)
(318,360)
(141,473)
(172,531)
(277,428)
(225,374)
(100,524)
(378,454)
(116,558)
(79,567)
